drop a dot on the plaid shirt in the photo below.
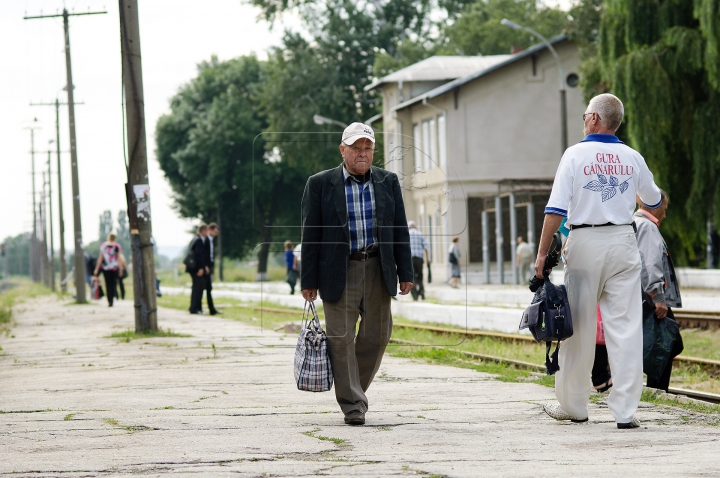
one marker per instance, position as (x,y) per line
(418,243)
(360,200)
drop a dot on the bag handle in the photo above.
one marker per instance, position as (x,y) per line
(308,309)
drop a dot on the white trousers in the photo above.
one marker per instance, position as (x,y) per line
(602,265)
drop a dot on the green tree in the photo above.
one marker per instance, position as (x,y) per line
(477,30)
(206,146)
(661,59)
(17,254)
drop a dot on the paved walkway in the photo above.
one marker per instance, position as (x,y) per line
(77,404)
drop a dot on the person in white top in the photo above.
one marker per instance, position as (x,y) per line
(595,187)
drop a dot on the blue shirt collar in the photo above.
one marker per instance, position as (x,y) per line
(601,138)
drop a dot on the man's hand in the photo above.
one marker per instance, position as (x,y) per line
(661,310)
(405,287)
(207,270)
(309,294)
(200,272)
(539,265)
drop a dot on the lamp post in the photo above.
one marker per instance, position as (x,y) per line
(561,72)
(323,120)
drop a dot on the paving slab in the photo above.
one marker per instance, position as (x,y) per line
(77,403)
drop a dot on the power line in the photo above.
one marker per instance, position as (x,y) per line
(79,252)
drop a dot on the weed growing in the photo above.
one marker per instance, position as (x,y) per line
(129,334)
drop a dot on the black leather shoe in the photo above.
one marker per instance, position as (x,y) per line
(355,417)
(215,312)
(635,423)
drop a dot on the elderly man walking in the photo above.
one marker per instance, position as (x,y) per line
(419,250)
(595,187)
(355,247)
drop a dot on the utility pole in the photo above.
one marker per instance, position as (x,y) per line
(137,187)
(34,272)
(79,252)
(61,218)
(50,219)
(44,267)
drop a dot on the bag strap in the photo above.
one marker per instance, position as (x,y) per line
(551,366)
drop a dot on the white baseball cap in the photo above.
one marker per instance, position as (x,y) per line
(356,131)
(412,224)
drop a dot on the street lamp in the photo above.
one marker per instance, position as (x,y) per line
(561,72)
(323,120)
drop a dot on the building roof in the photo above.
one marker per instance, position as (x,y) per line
(509,59)
(438,68)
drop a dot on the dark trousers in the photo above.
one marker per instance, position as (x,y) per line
(121,286)
(110,284)
(356,358)
(418,289)
(600,370)
(663,382)
(208,288)
(198,285)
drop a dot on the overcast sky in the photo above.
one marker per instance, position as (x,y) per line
(175,36)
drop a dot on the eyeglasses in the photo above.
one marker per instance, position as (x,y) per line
(587,114)
(357,150)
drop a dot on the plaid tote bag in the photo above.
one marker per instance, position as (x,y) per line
(313,372)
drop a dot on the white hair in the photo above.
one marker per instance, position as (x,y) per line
(609,108)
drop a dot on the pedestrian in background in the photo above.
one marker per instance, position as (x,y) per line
(419,249)
(122,274)
(356,247)
(523,259)
(595,187)
(292,275)
(454,259)
(659,282)
(209,249)
(109,262)
(197,269)
(298,258)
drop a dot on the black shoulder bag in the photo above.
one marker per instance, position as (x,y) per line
(548,316)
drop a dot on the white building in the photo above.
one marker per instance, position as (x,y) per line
(467,135)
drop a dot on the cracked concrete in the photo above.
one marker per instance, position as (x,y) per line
(77,404)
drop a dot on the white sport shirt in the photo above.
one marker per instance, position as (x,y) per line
(597,180)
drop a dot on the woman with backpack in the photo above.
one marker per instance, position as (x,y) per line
(109,260)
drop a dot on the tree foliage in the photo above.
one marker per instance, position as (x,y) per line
(659,57)
(477,30)
(206,146)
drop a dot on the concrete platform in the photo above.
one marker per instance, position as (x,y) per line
(75,403)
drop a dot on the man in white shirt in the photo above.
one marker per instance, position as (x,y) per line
(595,187)
(523,258)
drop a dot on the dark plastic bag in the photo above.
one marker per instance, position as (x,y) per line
(661,342)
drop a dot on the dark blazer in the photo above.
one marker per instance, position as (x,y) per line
(206,251)
(326,236)
(198,249)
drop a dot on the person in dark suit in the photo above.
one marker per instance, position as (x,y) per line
(199,270)
(356,246)
(209,249)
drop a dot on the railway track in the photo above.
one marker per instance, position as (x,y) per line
(693,319)
(697,395)
(690,319)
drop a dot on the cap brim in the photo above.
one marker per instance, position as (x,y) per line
(351,139)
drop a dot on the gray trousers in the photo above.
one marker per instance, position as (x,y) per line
(356,358)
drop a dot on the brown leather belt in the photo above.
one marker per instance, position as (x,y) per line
(363,256)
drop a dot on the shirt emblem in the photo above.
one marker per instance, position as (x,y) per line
(606,188)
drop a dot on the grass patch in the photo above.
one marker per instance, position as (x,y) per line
(69,416)
(341,442)
(18,291)
(661,398)
(244,312)
(503,372)
(233,271)
(169,407)
(129,334)
(130,428)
